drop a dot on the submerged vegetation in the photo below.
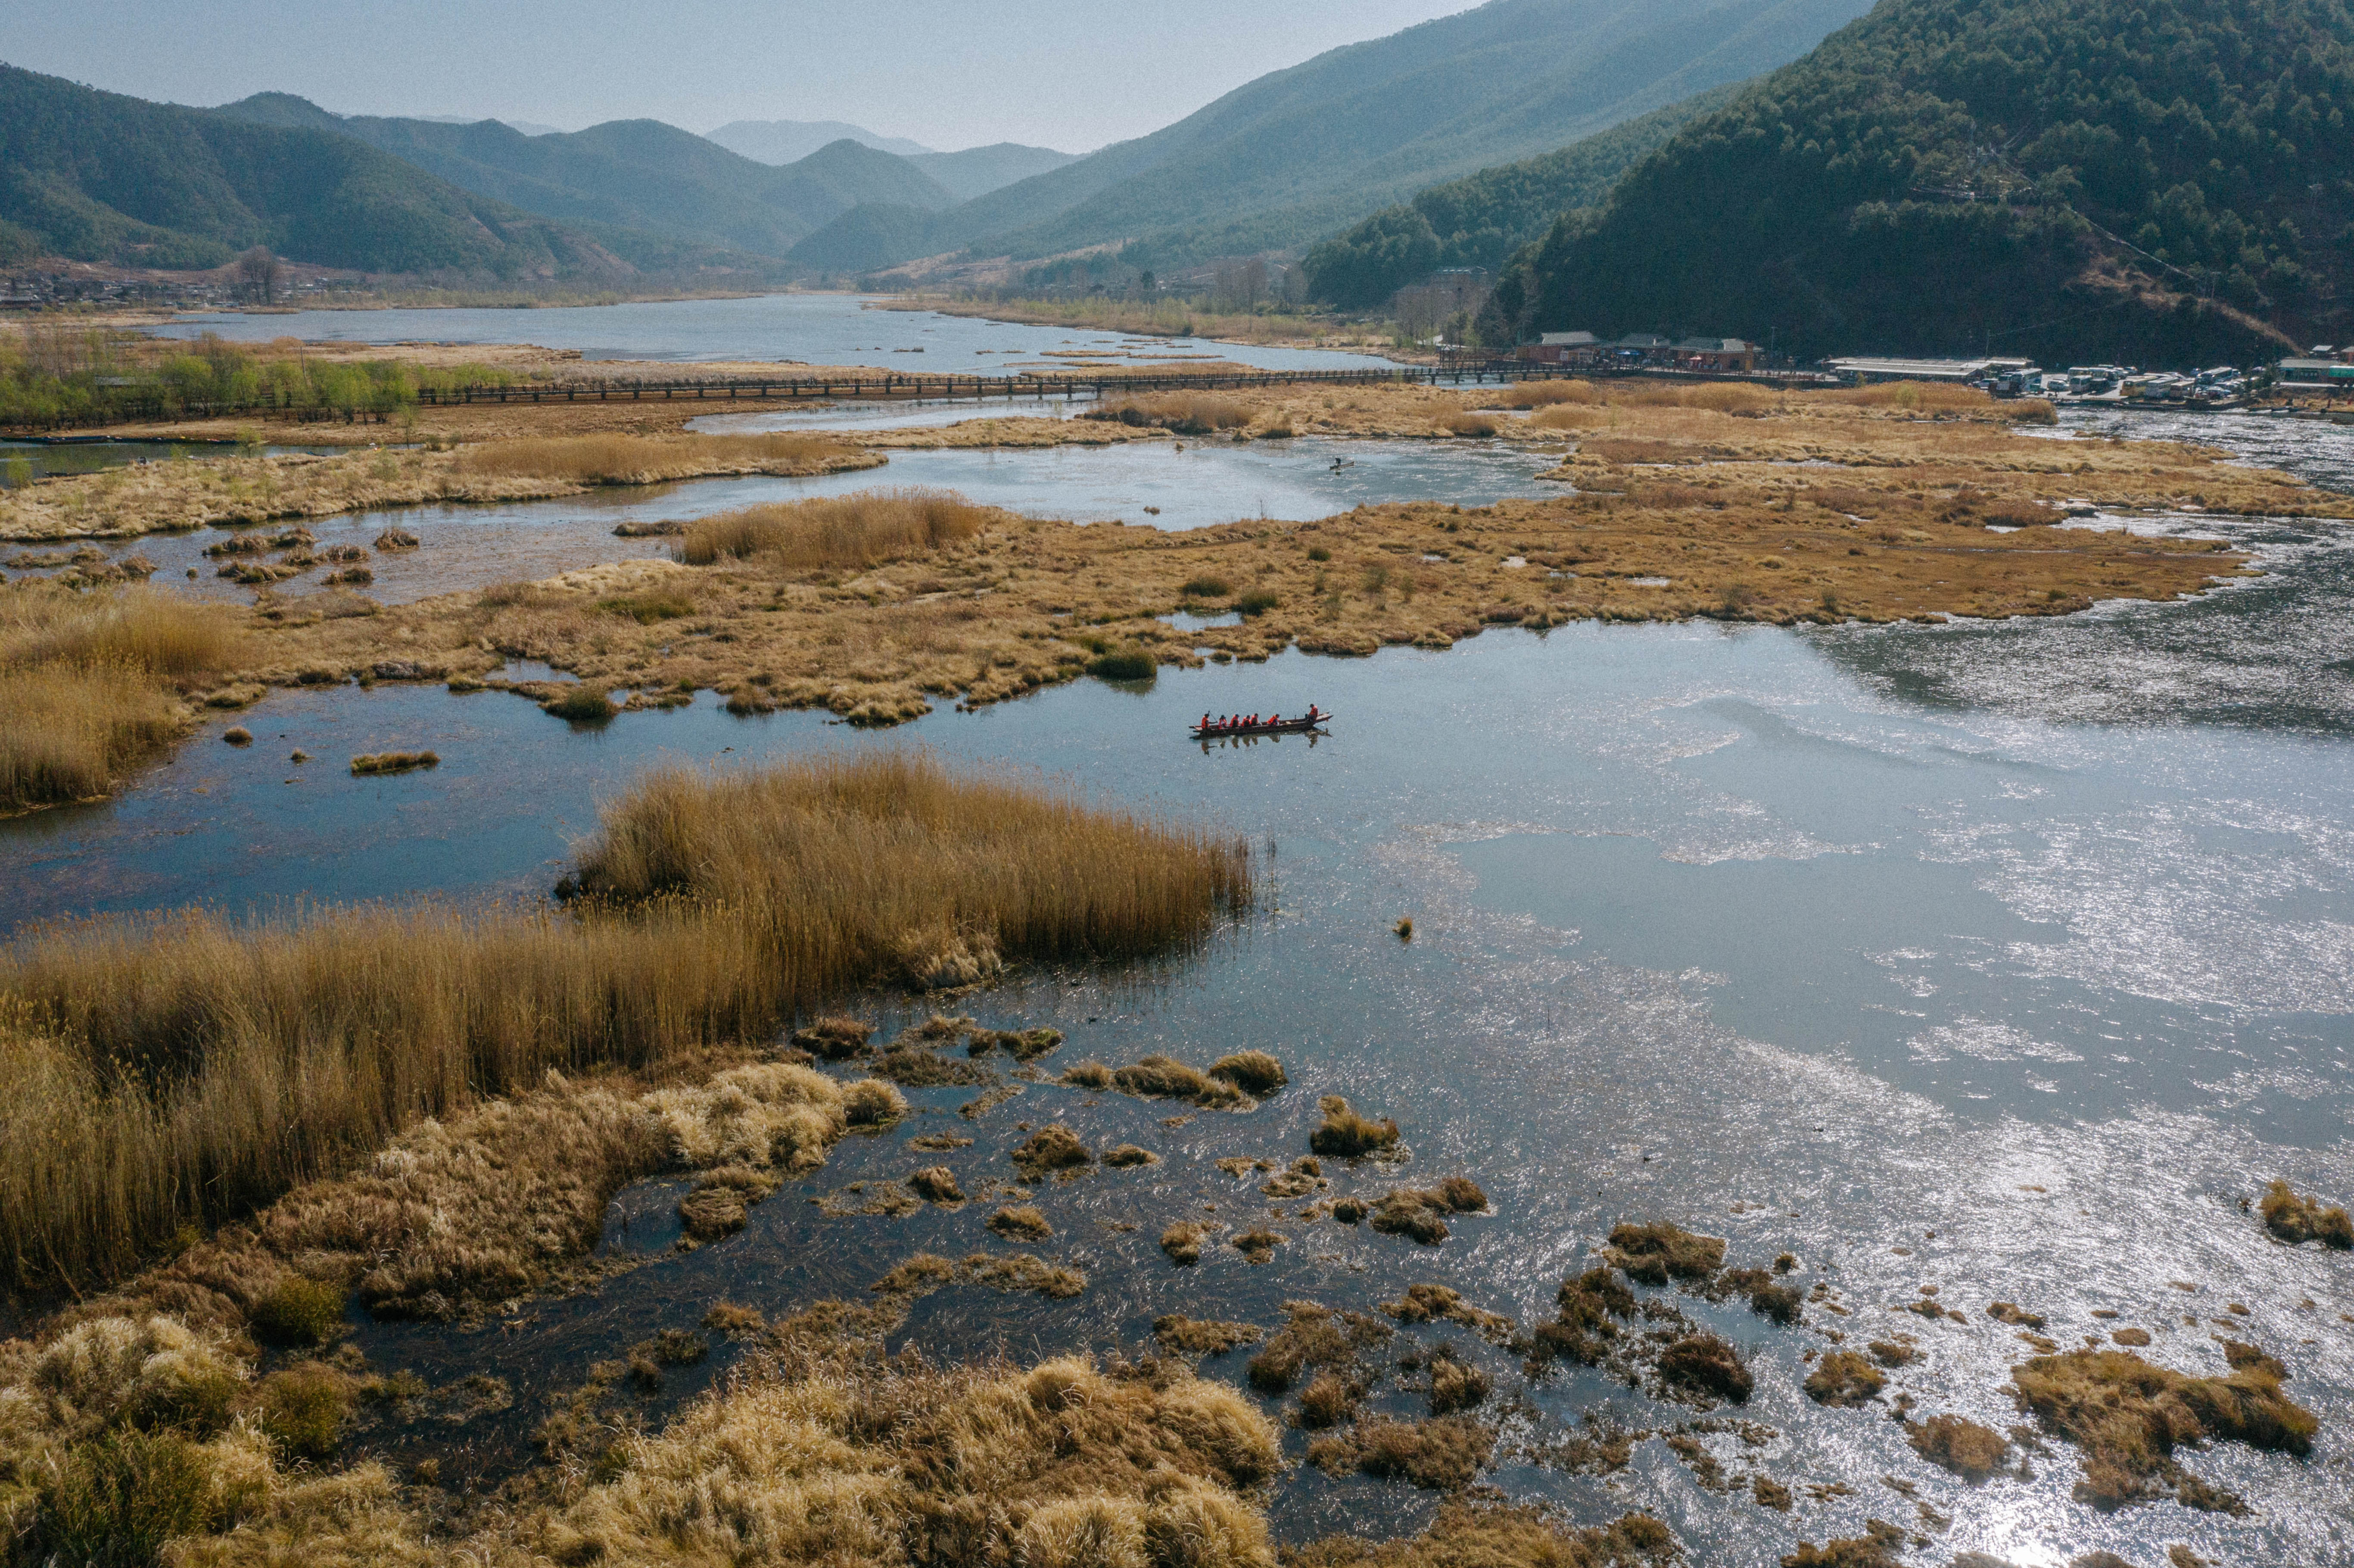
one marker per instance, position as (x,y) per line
(182,1069)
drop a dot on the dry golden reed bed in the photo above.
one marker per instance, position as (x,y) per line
(151,497)
(184,1068)
(829,534)
(91,683)
(1714,501)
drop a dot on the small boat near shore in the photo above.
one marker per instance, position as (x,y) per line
(1279,727)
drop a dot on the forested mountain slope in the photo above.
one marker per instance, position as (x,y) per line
(1482,219)
(97,177)
(2157,181)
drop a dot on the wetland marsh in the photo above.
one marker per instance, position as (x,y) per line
(1970,977)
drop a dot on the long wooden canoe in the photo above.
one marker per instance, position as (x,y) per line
(1282,727)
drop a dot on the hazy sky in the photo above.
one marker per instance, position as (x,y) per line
(1072,74)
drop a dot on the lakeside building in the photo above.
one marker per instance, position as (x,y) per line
(1716,354)
(1640,350)
(1560,348)
(1867,368)
(2304,371)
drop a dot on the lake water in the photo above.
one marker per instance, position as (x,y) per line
(808,329)
(468,547)
(2005,959)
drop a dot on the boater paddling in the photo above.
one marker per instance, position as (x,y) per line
(1256,724)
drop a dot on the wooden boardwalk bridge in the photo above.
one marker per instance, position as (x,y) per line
(1021,386)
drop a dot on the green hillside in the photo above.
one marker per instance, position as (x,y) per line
(2156,181)
(631,175)
(96,176)
(1303,151)
(1481,220)
(977,171)
(868,236)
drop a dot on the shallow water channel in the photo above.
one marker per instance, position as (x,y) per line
(1165,484)
(2005,959)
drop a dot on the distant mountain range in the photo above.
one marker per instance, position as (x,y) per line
(631,174)
(1300,153)
(1505,107)
(98,176)
(782,142)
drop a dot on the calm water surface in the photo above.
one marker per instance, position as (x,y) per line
(808,329)
(2005,959)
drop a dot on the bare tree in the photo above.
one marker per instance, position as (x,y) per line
(257,276)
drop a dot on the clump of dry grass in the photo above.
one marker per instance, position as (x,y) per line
(1592,1304)
(614,457)
(2296,1220)
(1719,396)
(1441,1303)
(1970,1450)
(1420,1213)
(1185,413)
(90,683)
(1882,1545)
(818,1456)
(1571,417)
(835,1038)
(1257,1245)
(1913,395)
(1050,1148)
(394,761)
(184,1068)
(1346,1134)
(1652,1254)
(1164,1078)
(2129,1417)
(1705,1365)
(1253,1072)
(830,533)
(1314,1338)
(1844,1378)
(1499,1537)
(938,1185)
(1443,1454)
(1182,1242)
(1456,1385)
(1022,1224)
(1545,393)
(1201,1336)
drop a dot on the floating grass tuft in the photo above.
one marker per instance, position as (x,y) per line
(395,762)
